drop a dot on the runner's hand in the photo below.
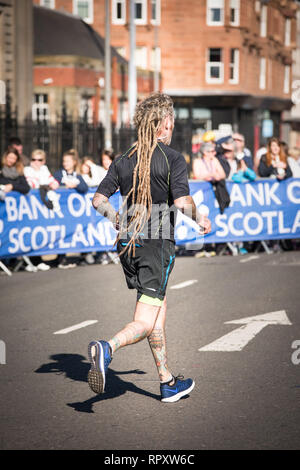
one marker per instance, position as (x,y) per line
(204,224)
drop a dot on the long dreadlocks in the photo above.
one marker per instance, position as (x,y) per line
(149,116)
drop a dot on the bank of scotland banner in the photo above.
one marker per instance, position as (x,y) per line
(261,210)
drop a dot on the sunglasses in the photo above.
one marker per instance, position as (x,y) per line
(37,160)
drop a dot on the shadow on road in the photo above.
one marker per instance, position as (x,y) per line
(74,367)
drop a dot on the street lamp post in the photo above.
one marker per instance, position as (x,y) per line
(108,134)
(132,87)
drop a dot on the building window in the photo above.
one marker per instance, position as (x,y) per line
(215,12)
(47,3)
(155,11)
(286,84)
(263,73)
(40,108)
(84,9)
(141,57)
(235,12)
(214,66)
(287,39)
(263,21)
(155,62)
(118,11)
(182,113)
(234,66)
(140,11)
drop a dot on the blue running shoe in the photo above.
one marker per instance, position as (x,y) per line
(172,393)
(100,358)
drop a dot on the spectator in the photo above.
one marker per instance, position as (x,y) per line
(12,174)
(16,143)
(238,169)
(260,152)
(91,173)
(224,146)
(294,161)
(69,176)
(39,177)
(209,136)
(274,163)
(208,167)
(242,152)
(106,158)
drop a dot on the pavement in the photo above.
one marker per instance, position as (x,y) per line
(243,399)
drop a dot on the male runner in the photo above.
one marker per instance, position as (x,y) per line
(153,179)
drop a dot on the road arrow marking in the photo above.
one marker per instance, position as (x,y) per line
(238,339)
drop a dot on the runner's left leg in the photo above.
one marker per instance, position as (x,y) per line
(157,343)
(143,321)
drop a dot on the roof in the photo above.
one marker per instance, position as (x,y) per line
(60,33)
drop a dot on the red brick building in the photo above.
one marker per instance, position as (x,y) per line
(225,62)
(69,70)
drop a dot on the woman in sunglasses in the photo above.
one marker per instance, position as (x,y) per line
(38,174)
(12,174)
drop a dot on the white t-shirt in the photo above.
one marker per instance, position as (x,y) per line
(294,166)
(98,174)
(37,178)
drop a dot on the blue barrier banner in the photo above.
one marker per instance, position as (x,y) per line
(261,210)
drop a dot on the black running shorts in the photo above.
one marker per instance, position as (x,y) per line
(149,270)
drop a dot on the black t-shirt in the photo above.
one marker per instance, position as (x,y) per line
(169,181)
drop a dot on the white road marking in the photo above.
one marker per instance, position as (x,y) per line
(238,339)
(184,284)
(75,327)
(250,258)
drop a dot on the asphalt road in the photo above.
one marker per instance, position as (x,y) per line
(246,399)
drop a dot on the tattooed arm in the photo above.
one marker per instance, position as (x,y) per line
(188,207)
(103,206)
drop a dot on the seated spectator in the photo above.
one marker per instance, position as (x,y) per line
(16,143)
(69,176)
(91,173)
(274,163)
(208,167)
(294,161)
(242,152)
(12,174)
